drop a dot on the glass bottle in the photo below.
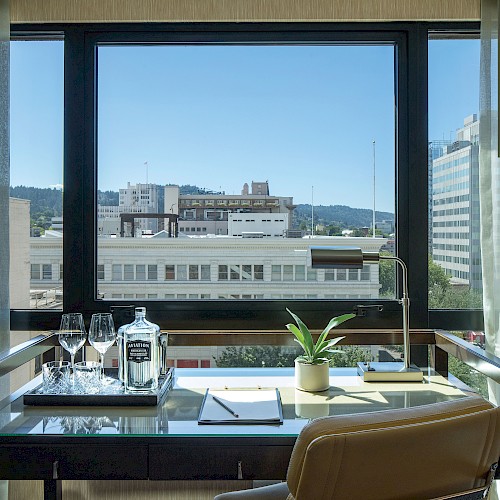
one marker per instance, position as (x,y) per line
(140,350)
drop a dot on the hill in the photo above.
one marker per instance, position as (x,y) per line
(47,203)
(339,215)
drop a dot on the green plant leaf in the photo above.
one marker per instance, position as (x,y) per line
(327,345)
(308,344)
(336,322)
(332,324)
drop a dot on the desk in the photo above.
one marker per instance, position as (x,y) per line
(166,442)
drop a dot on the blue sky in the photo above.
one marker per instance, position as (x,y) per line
(218,117)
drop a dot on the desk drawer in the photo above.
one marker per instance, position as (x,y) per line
(77,461)
(218,462)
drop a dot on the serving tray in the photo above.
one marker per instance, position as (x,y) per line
(111,395)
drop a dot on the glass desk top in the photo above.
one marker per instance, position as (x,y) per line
(178,413)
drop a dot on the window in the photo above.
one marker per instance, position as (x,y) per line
(223,276)
(35,271)
(46,271)
(193,272)
(128,272)
(36,159)
(140,272)
(295,88)
(205,272)
(170,272)
(152,272)
(181,273)
(246,272)
(100,270)
(300,273)
(258,272)
(354,54)
(234,272)
(455,279)
(116,272)
(275,272)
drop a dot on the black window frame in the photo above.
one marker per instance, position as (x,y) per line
(80,232)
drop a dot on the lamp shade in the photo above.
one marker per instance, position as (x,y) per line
(336,257)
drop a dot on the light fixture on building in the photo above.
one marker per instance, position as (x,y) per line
(345,257)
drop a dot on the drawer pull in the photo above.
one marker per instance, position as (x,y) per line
(55,470)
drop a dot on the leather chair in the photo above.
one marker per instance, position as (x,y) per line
(437,451)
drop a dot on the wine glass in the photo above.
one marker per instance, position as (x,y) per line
(102,335)
(72,334)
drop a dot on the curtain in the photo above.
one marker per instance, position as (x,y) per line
(489,182)
(489,188)
(4,175)
(4,198)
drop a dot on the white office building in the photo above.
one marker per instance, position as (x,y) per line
(455,207)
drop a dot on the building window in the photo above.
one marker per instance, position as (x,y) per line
(182,272)
(128,272)
(312,274)
(100,271)
(258,272)
(234,270)
(365,273)
(341,274)
(116,272)
(246,272)
(300,273)
(193,272)
(287,272)
(170,272)
(223,274)
(152,272)
(35,271)
(275,272)
(140,272)
(329,274)
(47,271)
(205,272)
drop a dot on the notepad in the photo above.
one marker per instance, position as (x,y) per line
(252,406)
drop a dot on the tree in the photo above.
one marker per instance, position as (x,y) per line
(438,276)
(275,356)
(350,356)
(468,375)
(257,356)
(387,277)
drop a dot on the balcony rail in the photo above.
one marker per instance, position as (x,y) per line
(442,344)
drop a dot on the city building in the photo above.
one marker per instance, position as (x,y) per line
(134,199)
(455,207)
(228,268)
(209,213)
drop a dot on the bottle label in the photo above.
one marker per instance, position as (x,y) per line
(138,351)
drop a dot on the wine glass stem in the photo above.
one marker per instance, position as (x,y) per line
(72,380)
(102,365)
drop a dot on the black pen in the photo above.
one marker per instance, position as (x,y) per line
(232,412)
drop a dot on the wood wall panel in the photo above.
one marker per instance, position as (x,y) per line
(241,10)
(128,490)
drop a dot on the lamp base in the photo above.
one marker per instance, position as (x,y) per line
(389,372)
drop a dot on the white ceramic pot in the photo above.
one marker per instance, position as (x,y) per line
(312,378)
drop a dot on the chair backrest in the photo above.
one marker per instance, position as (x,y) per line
(414,453)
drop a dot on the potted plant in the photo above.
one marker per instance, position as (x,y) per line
(311,368)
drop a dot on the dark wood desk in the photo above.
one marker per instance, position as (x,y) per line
(166,442)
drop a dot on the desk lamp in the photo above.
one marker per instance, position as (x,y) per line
(346,257)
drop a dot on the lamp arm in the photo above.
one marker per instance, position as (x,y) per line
(405,303)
